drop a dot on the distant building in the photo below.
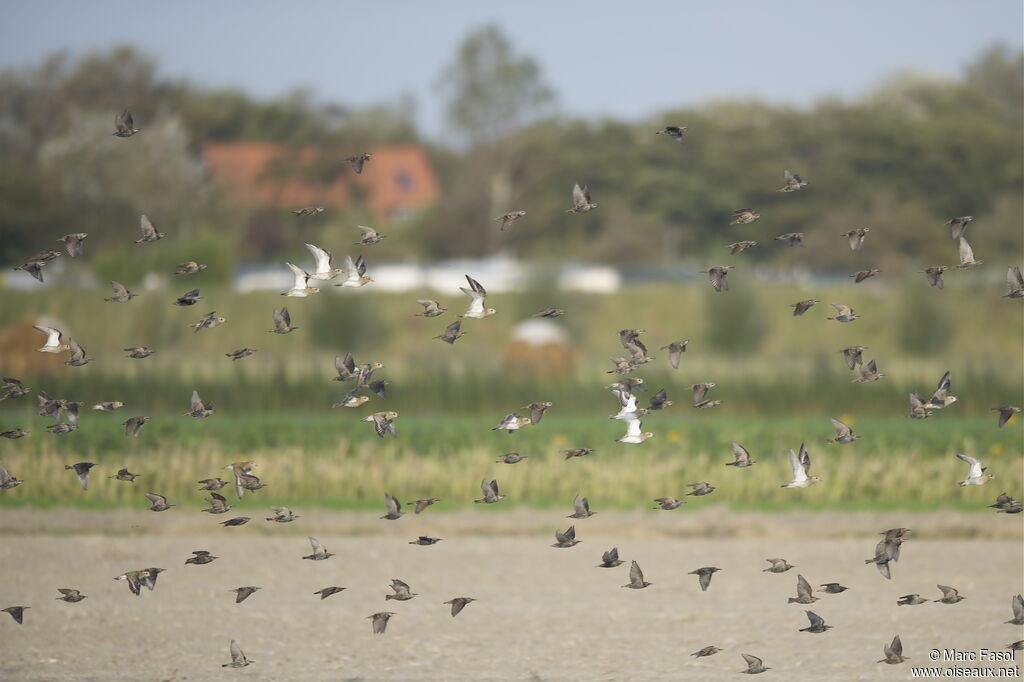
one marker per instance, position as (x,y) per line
(396,184)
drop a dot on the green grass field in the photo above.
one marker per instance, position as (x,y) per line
(335,461)
(779,378)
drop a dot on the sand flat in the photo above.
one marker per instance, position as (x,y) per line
(543,613)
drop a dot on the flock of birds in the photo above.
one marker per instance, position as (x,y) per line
(886,553)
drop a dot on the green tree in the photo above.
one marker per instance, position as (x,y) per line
(492,93)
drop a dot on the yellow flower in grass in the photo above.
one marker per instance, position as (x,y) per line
(559,440)
(996,449)
(673,436)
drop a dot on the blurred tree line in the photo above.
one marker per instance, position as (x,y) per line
(902,159)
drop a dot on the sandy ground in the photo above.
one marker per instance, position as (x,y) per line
(543,613)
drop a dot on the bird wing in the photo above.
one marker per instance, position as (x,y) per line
(948,591)
(453,328)
(895,648)
(156,499)
(635,574)
(740,453)
(392,505)
(628,401)
(579,505)
(301,277)
(476,286)
(841,309)
(505,422)
(841,428)
(610,556)
(196,403)
(350,269)
(75,351)
(752,661)
(799,475)
(975,465)
(1014,279)
(147,227)
(348,363)
(119,289)
(360,266)
(803,588)
(279,319)
(476,304)
(317,547)
(236,652)
(943,387)
(1018,607)
(323,258)
(633,427)
(83,476)
(368,232)
(74,245)
(133,582)
(52,335)
(966,252)
(579,197)
(805,459)
(816,620)
(855,241)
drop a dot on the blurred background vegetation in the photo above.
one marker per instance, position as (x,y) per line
(902,160)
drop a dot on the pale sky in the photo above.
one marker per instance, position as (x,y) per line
(603,58)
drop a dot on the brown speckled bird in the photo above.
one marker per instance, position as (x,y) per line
(894,652)
(744,216)
(855,237)
(704,576)
(636,578)
(459,603)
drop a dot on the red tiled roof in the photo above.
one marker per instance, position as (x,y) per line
(398,179)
